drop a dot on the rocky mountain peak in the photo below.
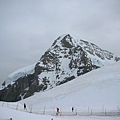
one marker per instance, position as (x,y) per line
(62,39)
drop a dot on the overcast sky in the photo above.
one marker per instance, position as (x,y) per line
(29,27)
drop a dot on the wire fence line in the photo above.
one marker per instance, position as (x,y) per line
(53,112)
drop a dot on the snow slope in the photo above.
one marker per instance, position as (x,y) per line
(6,114)
(98,89)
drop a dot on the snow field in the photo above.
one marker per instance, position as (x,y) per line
(6,114)
(94,96)
(98,90)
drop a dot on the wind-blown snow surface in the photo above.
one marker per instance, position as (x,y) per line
(98,89)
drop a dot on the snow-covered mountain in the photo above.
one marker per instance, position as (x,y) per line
(65,60)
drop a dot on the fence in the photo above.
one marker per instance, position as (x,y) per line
(45,111)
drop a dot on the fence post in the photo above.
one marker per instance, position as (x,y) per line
(3,104)
(91,111)
(7,104)
(76,111)
(103,108)
(88,109)
(31,109)
(60,111)
(17,107)
(44,110)
(118,109)
(105,112)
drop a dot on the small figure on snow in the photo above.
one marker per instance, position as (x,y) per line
(25,107)
(57,111)
(72,109)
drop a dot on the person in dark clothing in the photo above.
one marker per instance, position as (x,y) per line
(72,109)
(57,110)
(25,107)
